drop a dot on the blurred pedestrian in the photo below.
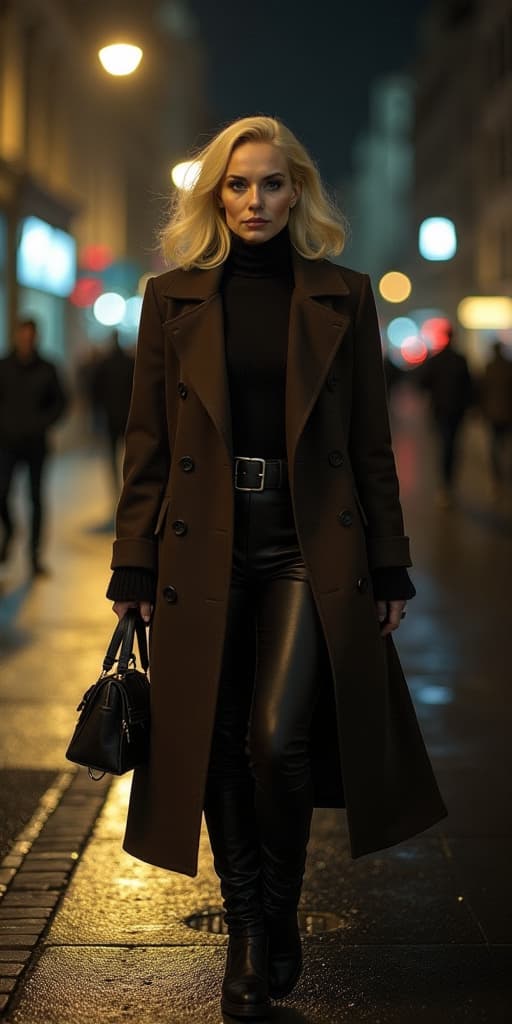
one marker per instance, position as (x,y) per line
(32,400)
(496,405)
(277,576)
(447,378)
(111,390)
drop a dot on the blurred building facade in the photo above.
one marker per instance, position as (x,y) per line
(378,198)
(83,152)
(463,149)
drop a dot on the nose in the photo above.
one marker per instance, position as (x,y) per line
(255,202)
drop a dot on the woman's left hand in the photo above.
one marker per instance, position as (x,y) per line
(389,614)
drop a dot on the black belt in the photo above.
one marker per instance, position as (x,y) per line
(260,474)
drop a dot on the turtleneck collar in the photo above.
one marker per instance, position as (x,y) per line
(261,259)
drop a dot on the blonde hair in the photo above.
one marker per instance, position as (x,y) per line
(196,234)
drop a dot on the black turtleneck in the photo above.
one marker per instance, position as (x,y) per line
(257,285)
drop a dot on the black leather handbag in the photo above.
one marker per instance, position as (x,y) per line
(112,732)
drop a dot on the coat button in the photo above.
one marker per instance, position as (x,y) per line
(170,594)
(186,463)
(179,527)
(332,380)
(345,517)
(362,584)
(335,458)
(182,389)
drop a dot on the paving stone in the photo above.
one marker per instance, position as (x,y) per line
(23,925)
(7,984)
(11,970)
(3,1002)
(49,856)
(12,861)
(30,898)
(21,940)
(19,913)
(14,955)
(39,880)
(6,875)
(39,865)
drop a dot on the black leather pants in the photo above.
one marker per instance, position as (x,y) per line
(259,797)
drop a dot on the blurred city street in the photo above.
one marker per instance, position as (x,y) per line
(421,931)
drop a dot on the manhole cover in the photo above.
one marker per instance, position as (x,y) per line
(311,922)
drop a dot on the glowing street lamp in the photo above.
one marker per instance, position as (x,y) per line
(120,58)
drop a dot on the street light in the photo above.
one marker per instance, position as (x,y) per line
(120,58)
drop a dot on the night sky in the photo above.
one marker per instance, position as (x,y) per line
(308,62)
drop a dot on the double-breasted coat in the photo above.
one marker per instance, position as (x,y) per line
(175,516)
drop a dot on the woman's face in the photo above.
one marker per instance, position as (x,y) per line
(257,192)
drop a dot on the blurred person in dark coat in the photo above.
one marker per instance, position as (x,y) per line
(111,393)
(32,399)
(496,405)
(447,378)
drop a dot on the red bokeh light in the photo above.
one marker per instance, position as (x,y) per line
(96,257)
(435,332)
(86,291)
(414,350)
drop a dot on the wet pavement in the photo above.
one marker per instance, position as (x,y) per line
(424,930)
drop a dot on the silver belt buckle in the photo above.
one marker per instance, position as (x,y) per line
(244,458)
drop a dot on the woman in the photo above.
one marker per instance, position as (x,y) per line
(260,529)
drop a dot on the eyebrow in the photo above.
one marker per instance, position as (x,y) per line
(274,174)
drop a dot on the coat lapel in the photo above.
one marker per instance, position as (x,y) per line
(198,338)
(315,333)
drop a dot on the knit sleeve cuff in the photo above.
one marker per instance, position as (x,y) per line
(132,584)
(392,584)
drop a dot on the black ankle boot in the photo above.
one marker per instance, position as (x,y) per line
(245,984)
(284,954)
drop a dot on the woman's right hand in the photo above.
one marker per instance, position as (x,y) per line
(121,607)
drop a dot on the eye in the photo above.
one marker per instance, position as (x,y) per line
(237,186)
(274,184)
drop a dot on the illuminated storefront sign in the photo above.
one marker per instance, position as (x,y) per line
(46,258)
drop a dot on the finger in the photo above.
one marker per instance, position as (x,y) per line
(394,616)
(382,610)
(146,610)
(121,607)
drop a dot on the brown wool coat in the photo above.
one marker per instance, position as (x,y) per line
(367,749)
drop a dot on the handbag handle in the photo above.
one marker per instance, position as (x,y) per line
(123,638)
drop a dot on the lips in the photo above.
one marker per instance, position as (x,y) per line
(256,220)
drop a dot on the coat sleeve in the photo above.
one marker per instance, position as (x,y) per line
(370,443)
(147,455)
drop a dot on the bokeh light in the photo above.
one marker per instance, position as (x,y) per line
(485,312)
(109,309)
(437,239)
(96,257)
(86,291)
(414,351)
(395,286)
(120,58)
(399,329)
(185,174)
(131,316)
(436,333)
